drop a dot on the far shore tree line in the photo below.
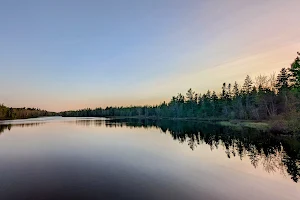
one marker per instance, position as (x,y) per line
(7,113)
(274,98)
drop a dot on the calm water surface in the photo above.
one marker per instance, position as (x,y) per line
(94,158)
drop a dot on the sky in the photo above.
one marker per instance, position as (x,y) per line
(70,54)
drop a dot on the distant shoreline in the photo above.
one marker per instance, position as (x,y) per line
(263,125)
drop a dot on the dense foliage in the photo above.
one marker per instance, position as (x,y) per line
(22,113)
(265,98)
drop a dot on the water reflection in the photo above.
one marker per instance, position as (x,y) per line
(274,153)
(8,127)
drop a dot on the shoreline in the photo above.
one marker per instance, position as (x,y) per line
(263,125)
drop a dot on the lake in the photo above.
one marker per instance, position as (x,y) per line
(96,158)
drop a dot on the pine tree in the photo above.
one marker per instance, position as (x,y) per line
(208,94)
(214,97)
(247,87)
(236,91)
(295,73)
(282,80)
(190,95)
(223,95)
(229,91)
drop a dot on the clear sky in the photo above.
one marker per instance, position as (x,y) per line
(70,54)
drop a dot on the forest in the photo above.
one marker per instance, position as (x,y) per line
(7,113)
(274,98)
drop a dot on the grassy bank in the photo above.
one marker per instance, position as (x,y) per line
(282,127)
(264,126)
(260,125)
(170,118)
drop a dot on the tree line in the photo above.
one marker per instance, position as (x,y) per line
(7,113)
(275,98)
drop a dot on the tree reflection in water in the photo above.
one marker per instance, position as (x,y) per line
(274,153)
(4,127)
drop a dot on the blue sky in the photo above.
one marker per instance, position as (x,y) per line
(61,55)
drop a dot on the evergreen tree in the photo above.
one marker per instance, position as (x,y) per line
(236,91)
(295,73)
(229,91)
(248,85)
(190,95)
(282,80)
(224,93)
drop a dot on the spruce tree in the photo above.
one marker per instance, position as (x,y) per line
(247,87)
(295,73)
(236,90)
(282,80)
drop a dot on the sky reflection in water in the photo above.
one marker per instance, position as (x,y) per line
(69,158)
